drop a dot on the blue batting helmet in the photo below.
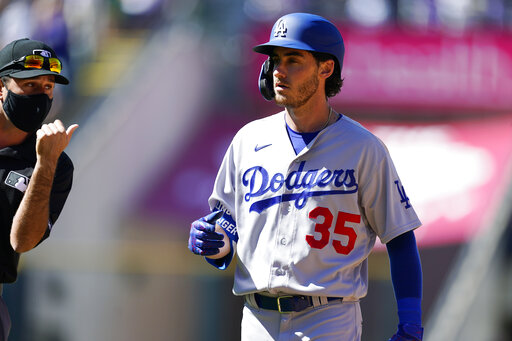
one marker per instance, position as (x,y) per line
(304,31)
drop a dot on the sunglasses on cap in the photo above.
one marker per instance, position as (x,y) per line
(35,61)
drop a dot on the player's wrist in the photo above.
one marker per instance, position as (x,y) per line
(411,331)
(409,310)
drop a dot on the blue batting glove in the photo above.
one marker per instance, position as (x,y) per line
(408,332)
(203,239)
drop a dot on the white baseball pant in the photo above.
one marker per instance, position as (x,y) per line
(339,321)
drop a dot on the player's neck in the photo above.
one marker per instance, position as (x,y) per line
(309,118)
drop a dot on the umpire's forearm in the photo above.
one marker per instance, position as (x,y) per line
(31,219)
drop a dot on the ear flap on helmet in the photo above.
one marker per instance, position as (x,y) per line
(266,81)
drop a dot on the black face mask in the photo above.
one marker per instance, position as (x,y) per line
(27,112)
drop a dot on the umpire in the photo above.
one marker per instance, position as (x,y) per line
(35,174)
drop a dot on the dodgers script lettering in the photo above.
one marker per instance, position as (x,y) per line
(303,183)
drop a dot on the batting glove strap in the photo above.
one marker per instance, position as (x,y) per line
(229,225)
(408,332)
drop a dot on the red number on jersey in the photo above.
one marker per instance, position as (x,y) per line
(322,228)
(340,229)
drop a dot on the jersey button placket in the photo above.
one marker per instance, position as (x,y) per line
(279,261)
(285,208)
(283,247)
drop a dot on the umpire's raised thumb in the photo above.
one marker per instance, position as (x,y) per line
(71,129)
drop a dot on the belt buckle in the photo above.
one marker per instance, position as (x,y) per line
(279,304)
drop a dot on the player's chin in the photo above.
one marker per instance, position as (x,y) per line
(282,100)
(287,102)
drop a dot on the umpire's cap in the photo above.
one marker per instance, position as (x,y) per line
(12,56)
(304,31)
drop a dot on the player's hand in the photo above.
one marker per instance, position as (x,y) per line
(408,332)
(52,139)
(203,239)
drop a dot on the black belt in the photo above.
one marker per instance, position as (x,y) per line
(287,304)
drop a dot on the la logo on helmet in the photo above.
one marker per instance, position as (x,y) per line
(281,29)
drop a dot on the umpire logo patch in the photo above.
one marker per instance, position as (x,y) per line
(43,53)
(17,180)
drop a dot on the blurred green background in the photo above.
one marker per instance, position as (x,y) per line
(159,87)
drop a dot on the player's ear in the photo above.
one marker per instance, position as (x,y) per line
(326,68)
(3,88)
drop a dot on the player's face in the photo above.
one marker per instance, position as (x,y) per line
(296,77)
(31,86)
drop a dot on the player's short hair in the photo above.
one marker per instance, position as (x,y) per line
(334,83)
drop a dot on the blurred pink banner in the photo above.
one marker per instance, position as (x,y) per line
(404,69)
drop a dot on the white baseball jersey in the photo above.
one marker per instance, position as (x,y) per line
(307,222)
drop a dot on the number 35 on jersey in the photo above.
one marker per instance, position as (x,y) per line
(344,236)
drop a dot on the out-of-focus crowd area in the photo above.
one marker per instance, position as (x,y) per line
(159,88)
(86,33)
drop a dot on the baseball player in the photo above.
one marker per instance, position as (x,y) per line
(301,197)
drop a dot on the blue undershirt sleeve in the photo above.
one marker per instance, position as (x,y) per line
(406,276)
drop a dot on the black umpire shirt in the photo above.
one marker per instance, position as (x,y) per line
(16,167)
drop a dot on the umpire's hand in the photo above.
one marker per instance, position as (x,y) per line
(52,139)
